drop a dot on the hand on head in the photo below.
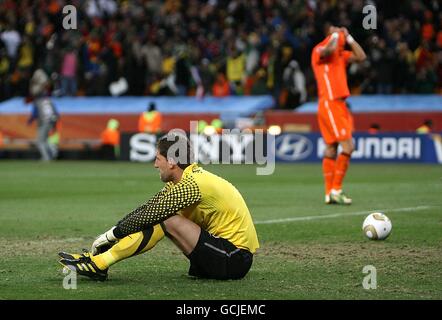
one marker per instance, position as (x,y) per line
(344,30)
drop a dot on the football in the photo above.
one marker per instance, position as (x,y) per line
(377,226)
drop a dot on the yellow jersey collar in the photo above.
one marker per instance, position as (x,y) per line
(190,168)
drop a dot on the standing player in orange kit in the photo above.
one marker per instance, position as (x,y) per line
(329,62)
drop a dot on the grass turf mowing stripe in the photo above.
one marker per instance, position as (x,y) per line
(336,215)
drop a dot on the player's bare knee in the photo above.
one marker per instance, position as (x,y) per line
(330,154)
(172,224)
(348,148)
(330,151)
(177,225)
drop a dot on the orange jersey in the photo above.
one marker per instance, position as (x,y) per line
(150,122)
(109,136)
(330,72)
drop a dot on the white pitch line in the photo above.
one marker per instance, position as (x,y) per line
(342,214)
(46,241)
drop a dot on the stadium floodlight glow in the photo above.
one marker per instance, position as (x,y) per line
(209,130)
(274,130)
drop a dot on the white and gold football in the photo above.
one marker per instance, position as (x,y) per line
(377,226)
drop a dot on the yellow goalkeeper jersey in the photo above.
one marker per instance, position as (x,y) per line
(206,199)
(221,210)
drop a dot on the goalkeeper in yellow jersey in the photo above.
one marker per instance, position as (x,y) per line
(204,215)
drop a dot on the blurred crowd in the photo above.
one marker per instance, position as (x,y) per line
(214,47)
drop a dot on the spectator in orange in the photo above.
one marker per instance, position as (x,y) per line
(150,121)
(110,140)
(427,30)
(221,86)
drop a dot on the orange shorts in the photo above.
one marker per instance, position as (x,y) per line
(335,121)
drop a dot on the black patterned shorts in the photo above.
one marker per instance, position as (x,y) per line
(217,258)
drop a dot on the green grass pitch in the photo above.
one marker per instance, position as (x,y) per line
(318,253)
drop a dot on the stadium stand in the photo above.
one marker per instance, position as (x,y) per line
(124,54)
(178,47)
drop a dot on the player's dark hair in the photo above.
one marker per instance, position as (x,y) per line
(177,147)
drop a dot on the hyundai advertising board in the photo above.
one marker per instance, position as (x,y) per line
(292,147)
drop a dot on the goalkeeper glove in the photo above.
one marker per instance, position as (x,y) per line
(106,239)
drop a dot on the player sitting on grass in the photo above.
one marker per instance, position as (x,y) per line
(204,215)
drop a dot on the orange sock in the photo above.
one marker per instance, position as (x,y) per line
(342,163)
(328,169)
